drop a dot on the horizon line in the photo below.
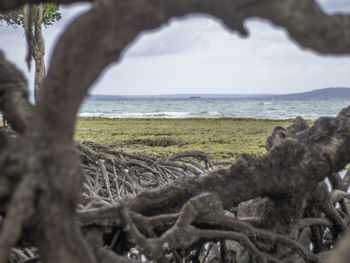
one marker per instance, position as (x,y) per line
(213,94)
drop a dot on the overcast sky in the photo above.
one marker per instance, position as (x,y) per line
(197,55)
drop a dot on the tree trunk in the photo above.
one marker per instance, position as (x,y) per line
(36,44)
(39,51)
(27,25)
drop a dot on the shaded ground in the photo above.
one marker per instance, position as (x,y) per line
(223,139)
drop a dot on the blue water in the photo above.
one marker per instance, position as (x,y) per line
(270,108)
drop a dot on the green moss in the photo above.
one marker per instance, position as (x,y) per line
(223,139)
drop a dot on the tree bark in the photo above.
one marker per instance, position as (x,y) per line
(39,51)
(27,24)
(35,43)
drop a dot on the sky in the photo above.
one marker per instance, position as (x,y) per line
(198,55)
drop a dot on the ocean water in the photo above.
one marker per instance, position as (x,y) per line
(269,108)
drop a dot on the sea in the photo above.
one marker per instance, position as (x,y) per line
(209,107)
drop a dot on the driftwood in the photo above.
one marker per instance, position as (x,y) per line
(273,208)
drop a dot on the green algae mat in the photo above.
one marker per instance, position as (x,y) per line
(223,139)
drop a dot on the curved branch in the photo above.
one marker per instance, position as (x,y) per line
(306,24)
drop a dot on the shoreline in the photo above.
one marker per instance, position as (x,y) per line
(189,118)
(222,138)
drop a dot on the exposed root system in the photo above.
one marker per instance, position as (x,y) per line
(111,175)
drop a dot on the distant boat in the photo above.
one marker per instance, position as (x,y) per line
(195,97)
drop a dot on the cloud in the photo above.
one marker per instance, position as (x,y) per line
(12,42)
(216,61)
(202,32)
(335,6)
(205,36)
(198,54)
(180,35)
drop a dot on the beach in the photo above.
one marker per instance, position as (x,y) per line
(223,139)
(223,126)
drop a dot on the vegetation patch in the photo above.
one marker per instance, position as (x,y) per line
(155,141)
(223,139)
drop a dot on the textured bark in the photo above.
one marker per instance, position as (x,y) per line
(47,183)
(35,43)
(39,51)
(27,25)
